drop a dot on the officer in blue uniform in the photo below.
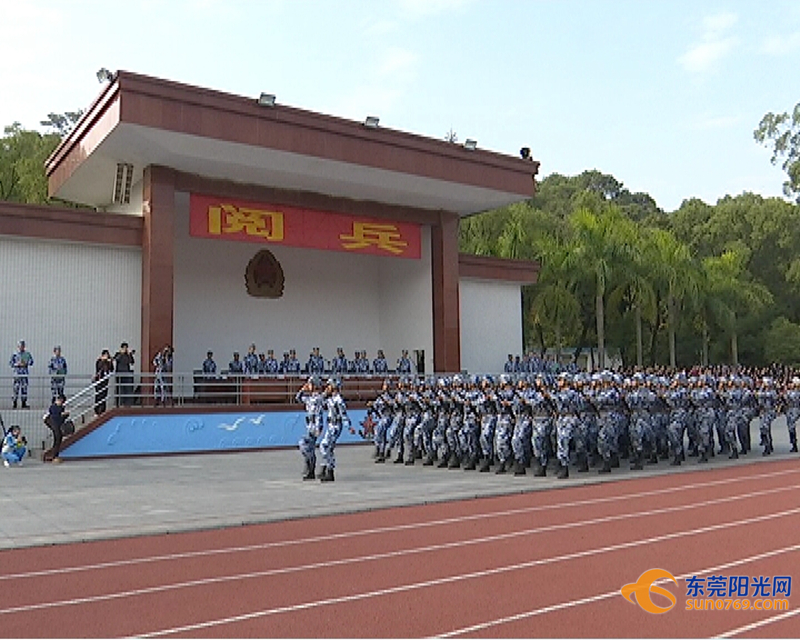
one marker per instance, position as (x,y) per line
(235,366)
(250,362)
(209,366)
(404,364)
(316,363)
(293,367)
(271,366)
(379,365)
(21,360)
(57,368)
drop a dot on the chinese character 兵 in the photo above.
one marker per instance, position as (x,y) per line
(383,236)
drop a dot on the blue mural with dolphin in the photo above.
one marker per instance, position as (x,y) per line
(199,432)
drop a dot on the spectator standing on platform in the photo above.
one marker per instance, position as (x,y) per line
(162,364)
(271,365)
(14,447)
(20,361)
(379,364)
(250,362)
(339,364)
(103,368)
(294,366)
(283,367)
(56,416)
(124,361)
(235,366)
(209,366)
(404,363)
(316,363)
(509,366)
(57,368)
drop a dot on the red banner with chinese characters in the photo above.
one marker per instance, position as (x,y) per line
(224,218)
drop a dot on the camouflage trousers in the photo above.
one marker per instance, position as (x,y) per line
(486,439)
(453,429)
(607,436)
(565,427)
(521,439)
(502,438)
(440,436)
(468,437)
(379,437)
(409,424)
(328,444)
(308,443)
(423,434)
(540,432)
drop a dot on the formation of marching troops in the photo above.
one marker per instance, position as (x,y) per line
(513,423)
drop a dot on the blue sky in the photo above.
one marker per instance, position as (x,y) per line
(664,95)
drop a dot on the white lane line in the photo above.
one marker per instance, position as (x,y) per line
(389,529)
(381,556)
(462,577)
(610,594)
(759,623)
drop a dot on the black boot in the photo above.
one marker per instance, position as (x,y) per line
(676,461)
(485,464)
(734,454)
(614,461)
(308,473)
(563,472)
(636,462)
(327,476)
(454,462)
(653,458)
(519,468)
(703,457)
(427,461)
(539,471)
(471,464)
(323,472)
(399,458)
(442,463)
(410,461)
(25,404)
(793,440)
(418,454)
(13,404)
(501,469)
(606,468)
(380,459)
(583,463)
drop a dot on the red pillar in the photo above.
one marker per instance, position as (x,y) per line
(158,262)
(446,330)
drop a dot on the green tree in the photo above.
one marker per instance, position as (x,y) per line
(782,131)
(22,156)
(782,342)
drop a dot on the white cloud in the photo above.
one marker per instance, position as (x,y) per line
(781,45)
(715,44)
(398,61)
(716,122)
(426,8)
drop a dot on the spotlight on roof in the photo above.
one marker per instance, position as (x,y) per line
(470,145)
(371,122)
(267,100)
(104,75)
(525,153)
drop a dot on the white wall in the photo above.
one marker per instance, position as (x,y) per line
(491,324)
(83,297)
(330,299)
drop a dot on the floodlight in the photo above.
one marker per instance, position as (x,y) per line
(267,100)
(104,75)
(470,145)
(371,122)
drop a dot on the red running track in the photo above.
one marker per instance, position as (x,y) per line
(541,564)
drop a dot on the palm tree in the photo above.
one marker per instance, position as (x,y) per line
(677,274)
(598,249)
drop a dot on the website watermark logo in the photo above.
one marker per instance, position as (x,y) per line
(644,586)
(712,593)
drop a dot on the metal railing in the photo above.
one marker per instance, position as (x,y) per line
(87,398)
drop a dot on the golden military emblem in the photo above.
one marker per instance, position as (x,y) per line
(263,276)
